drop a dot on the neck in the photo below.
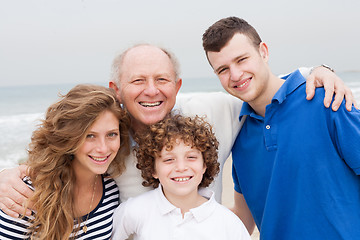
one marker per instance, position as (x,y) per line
(273,85)
(185,203)
(84,180)
(136,126)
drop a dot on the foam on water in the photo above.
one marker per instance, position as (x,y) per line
(16,133)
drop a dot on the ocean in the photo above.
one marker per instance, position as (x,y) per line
(22,107)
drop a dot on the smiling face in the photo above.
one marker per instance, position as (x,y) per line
(179,170)
(148,85)
(101,144)
(242,68)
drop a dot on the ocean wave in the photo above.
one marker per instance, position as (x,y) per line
(21,118)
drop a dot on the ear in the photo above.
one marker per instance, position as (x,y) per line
(117,90)
(204,169)
(264,52)
(155,175)
(178,85)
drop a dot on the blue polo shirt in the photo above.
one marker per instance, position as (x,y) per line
(298,167)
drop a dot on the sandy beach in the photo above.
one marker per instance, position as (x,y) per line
(228,191)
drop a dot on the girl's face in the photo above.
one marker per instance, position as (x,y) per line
(180,170)
(100,147)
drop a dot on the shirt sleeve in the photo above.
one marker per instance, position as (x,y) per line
(346,135)
(14,228)
(235,180)
(305,71)
(123,226)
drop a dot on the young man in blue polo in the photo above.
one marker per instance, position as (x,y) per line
(295,163)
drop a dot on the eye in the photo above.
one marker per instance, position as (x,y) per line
(191,157)
(163,80)
(113,134)
(168,160)
(222,70)
(90,136)
(138,81)
(241,59)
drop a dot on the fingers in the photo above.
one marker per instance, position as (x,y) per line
(329,93)
(339,97)
(349,99)
(310,87)
(23,170)
(355,104)
(13,209)
(13,193)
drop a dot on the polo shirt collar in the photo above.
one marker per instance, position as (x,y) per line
(200,213)
(293,81)
(164,205)
(206,209)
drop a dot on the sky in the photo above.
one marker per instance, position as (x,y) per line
(74,41)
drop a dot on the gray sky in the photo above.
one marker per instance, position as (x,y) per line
(74,41)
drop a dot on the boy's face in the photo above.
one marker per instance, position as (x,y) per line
(180,171)
(241,67)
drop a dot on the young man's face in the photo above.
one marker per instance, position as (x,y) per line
(241,67)
(148,85)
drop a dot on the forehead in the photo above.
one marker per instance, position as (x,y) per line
(237,46)
(147,60)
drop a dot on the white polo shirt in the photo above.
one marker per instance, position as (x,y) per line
(151,216)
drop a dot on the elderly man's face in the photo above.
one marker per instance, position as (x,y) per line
(148,85)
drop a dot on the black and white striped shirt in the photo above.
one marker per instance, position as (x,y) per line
(99,223)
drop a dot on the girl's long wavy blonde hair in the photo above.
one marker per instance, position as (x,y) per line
(53,145)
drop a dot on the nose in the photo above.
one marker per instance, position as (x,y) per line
(151,88)
(101,145)
(235,74)
(181,165)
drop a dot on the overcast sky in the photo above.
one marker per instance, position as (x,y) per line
(74,41)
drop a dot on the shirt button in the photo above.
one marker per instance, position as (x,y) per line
(267,127)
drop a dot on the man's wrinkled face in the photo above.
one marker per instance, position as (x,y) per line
(148,85)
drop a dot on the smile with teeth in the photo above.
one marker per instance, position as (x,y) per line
(243,84)
(148,104)
(99,159)
(181,179)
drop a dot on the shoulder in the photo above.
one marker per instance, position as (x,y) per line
(196,101)
(110,198)
(130,210)
(11,227)
(144,200)
(110,187)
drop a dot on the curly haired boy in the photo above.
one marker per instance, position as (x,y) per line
(178,157)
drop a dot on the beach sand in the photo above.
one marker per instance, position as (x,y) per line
(228,191)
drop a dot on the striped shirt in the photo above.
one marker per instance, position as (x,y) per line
(99,223)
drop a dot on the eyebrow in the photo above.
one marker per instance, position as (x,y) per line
(111,130)
(219,68)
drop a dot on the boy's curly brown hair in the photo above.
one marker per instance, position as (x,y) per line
(193,131)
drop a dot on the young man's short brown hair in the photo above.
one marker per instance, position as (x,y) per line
(193,131)
(220,33)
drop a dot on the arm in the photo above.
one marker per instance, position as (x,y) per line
(123,227)
(13,191)
(323,77)
(242,210)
